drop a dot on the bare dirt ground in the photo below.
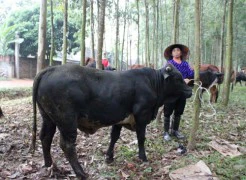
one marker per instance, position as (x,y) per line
(10,83)
(17,163)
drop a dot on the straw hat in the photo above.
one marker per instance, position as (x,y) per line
(168,51)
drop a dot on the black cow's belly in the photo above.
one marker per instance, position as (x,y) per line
(91,126)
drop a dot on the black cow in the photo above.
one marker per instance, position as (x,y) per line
(240,77)
(71,97)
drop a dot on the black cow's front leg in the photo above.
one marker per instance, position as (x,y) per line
(115,134)
(67,143)
(140,130)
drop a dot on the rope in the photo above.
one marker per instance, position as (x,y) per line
(202,101)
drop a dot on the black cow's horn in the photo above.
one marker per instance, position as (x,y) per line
(168,68)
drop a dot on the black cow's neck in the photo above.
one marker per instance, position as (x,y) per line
(159,86)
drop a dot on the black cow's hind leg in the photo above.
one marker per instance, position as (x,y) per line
(140,130)
(46,135)
(67,143)
(115,134)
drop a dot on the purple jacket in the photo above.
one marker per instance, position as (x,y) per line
(184,68)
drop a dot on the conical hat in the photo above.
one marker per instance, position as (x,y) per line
(168,51)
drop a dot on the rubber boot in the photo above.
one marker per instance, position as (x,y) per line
(175,128)
(166,135)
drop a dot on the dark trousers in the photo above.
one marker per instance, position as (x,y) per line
(177,107)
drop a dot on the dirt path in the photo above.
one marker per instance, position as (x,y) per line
(16,83)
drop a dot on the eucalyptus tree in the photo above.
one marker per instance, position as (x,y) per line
(101,27)
(42,35)
(64,47)
(92,29)
(222,34)
(82,57)
(228,63)
(176,21)
(147,57)
(52,37)
(117,35)
(124,30)
(195,118)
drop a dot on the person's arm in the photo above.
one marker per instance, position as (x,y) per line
(189,72)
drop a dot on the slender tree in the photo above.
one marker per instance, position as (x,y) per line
(92,30)
(42,35)
(123,39)
(147,57)
(222,34)
(52,45)
(228,63)
(138,24)
(82,59)
(117,35)
(64,50)
(195,119)
(101,32)
(176,21)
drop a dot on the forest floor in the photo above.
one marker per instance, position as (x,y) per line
(17,163)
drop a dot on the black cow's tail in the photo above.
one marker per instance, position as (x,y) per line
(34,101)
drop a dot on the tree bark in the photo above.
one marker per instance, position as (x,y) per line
(92,30)
(82,57)
(42,35)
(228,63)
(64,50)
(123,39)
(52,45)
(100,33)
(176,22)
(117,36)
(138,23)
(195,119)
(222,35)
(147,57)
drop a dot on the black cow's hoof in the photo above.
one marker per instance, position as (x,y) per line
(83,177)
(109,160)
(144,159)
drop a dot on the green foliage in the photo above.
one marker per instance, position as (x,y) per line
(6,35)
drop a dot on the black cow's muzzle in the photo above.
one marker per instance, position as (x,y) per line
(188,92)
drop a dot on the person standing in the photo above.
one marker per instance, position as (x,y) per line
(176,55)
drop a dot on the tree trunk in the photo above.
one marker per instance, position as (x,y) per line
(222,34)
(195,119)
(154,40)
(64,50)
(92,30)
(42,35)
(117,36)
(147,57)
(176,22)
(52,48)
(228,63)
(123,40)
(100,33)
(157,36)
(138,23)
(82,57)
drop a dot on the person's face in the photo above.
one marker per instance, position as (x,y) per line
(176,52)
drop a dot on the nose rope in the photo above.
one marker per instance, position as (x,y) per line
(202,101)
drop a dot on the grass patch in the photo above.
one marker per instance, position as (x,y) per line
(14,93)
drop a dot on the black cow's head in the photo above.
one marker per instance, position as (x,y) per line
(174,84)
